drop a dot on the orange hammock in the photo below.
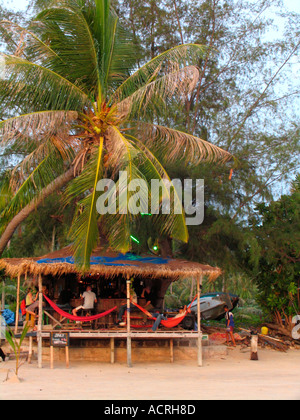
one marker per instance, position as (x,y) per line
(77,318)
(169,323)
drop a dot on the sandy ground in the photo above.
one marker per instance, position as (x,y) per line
(275,376)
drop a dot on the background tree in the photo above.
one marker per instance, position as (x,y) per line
(275,255)
(245,100)
(246,96)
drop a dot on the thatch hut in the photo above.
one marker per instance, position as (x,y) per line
(58,268)
(108,264)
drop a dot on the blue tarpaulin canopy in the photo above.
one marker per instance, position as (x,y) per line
(108,263)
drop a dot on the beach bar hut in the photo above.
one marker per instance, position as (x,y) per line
(107,265)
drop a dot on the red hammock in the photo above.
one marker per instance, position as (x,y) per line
(77,318)
(171,322)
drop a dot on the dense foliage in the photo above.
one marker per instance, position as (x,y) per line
(275,255)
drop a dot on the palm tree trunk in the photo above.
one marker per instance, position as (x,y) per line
(31,207)
(53,239)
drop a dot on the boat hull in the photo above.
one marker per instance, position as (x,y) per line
(212,305)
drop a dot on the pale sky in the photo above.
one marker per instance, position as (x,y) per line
(293,5)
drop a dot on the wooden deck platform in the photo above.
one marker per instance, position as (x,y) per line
(125,335)
(86,334)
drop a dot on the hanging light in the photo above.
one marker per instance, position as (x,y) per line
(134,239)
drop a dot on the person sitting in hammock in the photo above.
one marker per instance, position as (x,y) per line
(133,298)
(150,298)
(159,317)
(158,314)
(33,308)
(150,306)
(147,294)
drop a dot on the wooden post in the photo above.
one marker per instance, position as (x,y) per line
(18,304)
(192,288)
(254,343)
(51,357)
(112,350)
(67,357)
(59,340)
(199,280)
(3,296)
(171,350)
(30,350)
(129,362)
(39,329)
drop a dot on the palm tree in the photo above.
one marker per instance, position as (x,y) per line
(82,110)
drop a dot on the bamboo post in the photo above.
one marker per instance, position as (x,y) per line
(199,280)
(129,362)
(3,296)
(67,357)
(30,350)
(112,350)
(192,288)
(171,350)
(254,343)
(39,329)
(51,357)
(18,304)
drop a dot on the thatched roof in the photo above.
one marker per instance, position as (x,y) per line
(107,264)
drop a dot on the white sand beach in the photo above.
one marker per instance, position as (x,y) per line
(275,376)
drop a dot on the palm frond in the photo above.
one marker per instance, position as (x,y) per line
(119,54)
(46,171)
(178,83)
(57,146)
(30,86)
(180,56)
(172,224)
(84,230)
(116,151)
(138,163)
(125,204)
(5,191)
(72,40)
(28,45)
(37,126)
(179,145)
(131,166)
(104,26)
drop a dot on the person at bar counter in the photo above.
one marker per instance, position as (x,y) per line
(150,297)
(89,300)
(150,304)
(64,299)
(121,293)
